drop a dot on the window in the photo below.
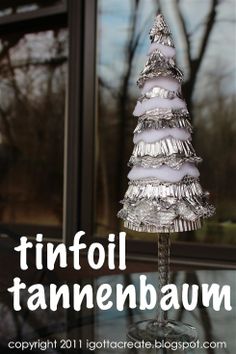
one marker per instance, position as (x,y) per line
(33,76)
(209,89)
(64,169)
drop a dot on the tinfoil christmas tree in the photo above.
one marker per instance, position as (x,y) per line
(164,194)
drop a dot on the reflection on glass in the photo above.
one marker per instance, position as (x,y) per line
(209,89)
(110,326)
(17,6)
(215,327)
(33,69)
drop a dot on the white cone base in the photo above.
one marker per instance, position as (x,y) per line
(153,135)
(166,82)
(169,52)
(158,102)
(164,173)
(152,330)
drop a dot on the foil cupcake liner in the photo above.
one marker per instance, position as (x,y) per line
(173,161)
(164,147)
(178,225)
(162,213)
(147,122)
(154,189)
(158,65)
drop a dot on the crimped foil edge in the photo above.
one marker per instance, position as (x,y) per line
(150,123)
(173,161)
(164,147)
(179,226)
(154,189)
(158,65)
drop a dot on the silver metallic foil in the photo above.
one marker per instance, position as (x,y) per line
(159,213)
(160,32)
(173,161)
(163,148)
(158,65)
(167,113)
(164,118)
(160,92)
(152,188)
(151,205)
(178,225)
(145,123)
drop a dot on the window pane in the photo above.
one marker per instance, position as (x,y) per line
(122,44)
(33,70)
(18,6)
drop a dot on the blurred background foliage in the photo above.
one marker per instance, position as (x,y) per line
(33,74)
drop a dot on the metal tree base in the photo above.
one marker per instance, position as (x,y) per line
(171,331)
(162,328)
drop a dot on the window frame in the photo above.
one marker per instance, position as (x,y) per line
(41,17)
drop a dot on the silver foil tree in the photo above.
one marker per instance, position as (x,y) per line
(164,194)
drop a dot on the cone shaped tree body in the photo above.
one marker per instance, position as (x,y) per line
(164,192)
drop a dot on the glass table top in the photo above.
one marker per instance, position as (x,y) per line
(101,331)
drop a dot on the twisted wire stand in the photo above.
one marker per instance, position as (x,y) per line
(153,330)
